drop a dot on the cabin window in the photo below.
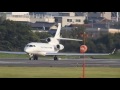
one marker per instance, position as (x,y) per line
(30,46)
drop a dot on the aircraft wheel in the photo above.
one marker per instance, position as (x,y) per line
(55,58)
(35,57)
(29,58)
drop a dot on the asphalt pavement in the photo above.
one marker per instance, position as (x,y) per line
(60,63)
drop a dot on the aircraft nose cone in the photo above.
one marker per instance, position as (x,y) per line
(26,50)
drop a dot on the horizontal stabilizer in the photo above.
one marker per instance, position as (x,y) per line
(69,39)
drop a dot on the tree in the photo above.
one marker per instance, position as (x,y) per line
(101,48)
(91,46)
(76,32)
(15,35)
(86,21)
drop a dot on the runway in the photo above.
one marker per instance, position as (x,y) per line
(60,63)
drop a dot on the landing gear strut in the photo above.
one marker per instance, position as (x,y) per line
(55,58)
(31,56)
(35,57)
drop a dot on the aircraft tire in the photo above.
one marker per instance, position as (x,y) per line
(35,57)
(55,58)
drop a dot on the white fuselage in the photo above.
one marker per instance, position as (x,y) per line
(40,48)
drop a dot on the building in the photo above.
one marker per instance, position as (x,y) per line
(41,18)
(20,13)
(52,13)
(68,20)
(19,16)
(36,13)
(61,13)
(96,32)
(16,16)
(66,13)
(26,17)
(43,26)
(106,15)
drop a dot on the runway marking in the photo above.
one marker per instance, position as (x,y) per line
(2,62)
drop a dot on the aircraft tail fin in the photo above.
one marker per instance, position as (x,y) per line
(57,35)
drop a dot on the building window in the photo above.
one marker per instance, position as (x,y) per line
(78,20)
(69,20)
(56,20)
(64,14)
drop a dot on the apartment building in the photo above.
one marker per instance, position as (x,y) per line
(106,15)
(16,16)
(41,18)
(68,20)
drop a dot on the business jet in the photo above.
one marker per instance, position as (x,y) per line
(51,48)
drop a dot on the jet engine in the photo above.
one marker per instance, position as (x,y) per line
(48,39)
(59,46)
(52,40)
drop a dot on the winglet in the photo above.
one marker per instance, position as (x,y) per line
(113,51)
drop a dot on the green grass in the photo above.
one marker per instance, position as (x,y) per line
(58,72)
(2,55)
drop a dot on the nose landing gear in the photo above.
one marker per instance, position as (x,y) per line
(35,57)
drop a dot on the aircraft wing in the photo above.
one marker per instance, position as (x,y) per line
(11,52)
(77,54)
(66,39)
(80,54)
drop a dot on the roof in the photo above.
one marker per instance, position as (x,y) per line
(95,25)
(77,25)
(41,24)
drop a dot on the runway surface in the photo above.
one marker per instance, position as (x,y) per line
(60,63)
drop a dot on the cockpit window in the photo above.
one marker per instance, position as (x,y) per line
(30,45)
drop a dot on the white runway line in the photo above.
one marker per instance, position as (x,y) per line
(4,62)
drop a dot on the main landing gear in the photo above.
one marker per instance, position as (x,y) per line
(35,57)
(55,58)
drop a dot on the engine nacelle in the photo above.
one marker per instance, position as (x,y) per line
(59,46)
(48,39)
(52,40)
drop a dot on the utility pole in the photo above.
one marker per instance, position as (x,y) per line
(84,35)
(84,57)
(117,16)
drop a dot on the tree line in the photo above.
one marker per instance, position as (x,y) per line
(106,43)
(15,35)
